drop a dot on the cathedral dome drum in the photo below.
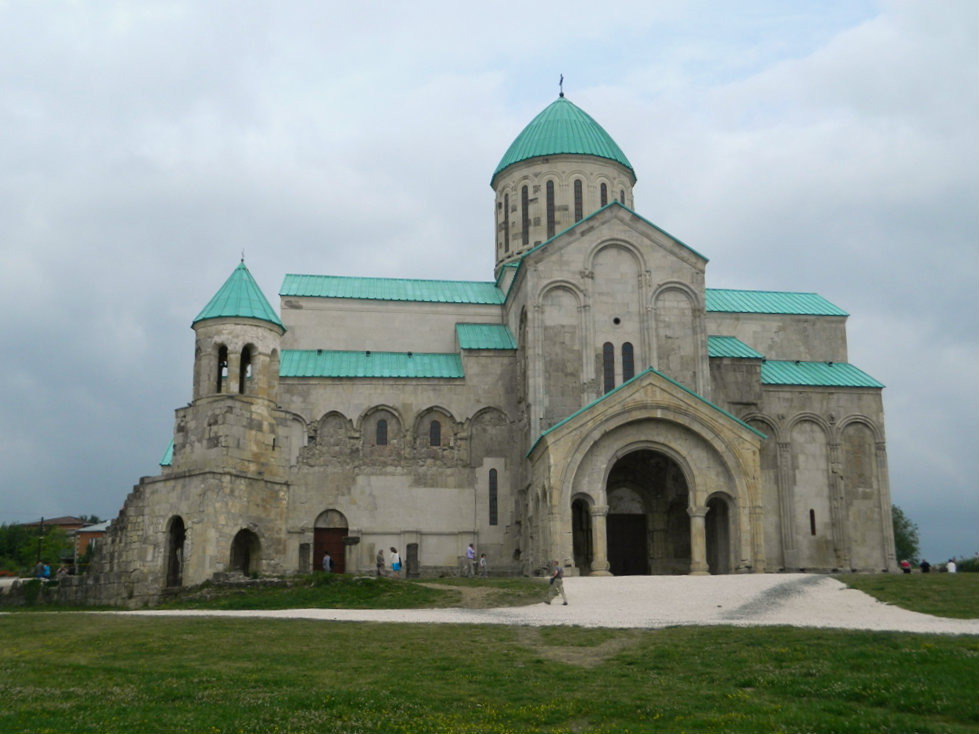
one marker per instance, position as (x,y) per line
(562,167)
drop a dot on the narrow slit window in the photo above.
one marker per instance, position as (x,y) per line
(628,365)
(435,434)
(812,522)
(604,191)
(550,209)
(506,222)
(493,493)
(382,432)
(579,205)
(525,215)
(608,365)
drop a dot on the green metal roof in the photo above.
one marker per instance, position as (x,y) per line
(392,289)
(815,374)
(562,128)
(485,336)
(729,346)
(167,459)
(334,363)
(736,301)
(239,297)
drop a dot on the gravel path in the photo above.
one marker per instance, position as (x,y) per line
(651,602)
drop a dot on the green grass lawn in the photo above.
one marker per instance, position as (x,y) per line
(84,672)
(79,672)
(945,594)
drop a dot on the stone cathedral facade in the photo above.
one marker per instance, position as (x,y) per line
(594,402)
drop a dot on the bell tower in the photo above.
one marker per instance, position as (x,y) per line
(230,423)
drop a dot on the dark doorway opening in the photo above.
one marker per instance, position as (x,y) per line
(718,530)
(647,526)
(581,535)
(329,532)
(175,552)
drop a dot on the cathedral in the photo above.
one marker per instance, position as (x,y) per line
(594,403)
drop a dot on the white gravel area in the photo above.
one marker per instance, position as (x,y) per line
(653,602)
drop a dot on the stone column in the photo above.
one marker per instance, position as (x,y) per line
(698,541)
(599,541)
(786,500)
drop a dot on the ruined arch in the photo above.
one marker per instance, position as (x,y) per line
(246,552)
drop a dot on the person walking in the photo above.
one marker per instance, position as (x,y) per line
(556,584)
(379,561)
(483,567)
(470,568)
(395,563)
(327,562)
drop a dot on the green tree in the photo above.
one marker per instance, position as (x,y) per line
(905,536)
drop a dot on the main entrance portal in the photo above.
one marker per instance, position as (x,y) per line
(648,526)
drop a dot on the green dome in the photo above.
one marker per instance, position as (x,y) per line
(562,128)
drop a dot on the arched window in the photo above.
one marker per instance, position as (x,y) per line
(550,209)
(222,367)
(604,191)
(525,215)
(578,200)
(608,365)
(434,433)
(506,222)
(382,432)
(244,369)
(622,196)
(628,366)
(493,492)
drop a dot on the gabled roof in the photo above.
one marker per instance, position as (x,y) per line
(647,371)
(485,336)
(725,300)
(730,346)
(562,127)
(367,364)
(392,289)
(610,205)
(815,374)
(239,297)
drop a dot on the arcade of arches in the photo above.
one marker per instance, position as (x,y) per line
(647,522)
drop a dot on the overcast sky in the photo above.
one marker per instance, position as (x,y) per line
(810,146)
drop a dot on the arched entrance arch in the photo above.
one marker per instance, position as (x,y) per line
(647,526)
(245,552)
(329,532)
(176,535)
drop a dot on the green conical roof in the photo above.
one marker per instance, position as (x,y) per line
(562,128)
(239,297)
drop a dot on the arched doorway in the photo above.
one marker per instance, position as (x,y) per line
(717,525)
(647,526)
(581,535)
(329,530)
(245,552)
(176,534)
